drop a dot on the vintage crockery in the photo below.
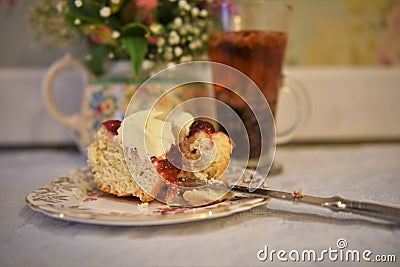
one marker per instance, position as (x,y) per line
(107,97)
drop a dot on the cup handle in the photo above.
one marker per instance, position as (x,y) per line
(302,99)
(65,62)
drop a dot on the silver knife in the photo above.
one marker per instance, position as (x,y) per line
(336,203)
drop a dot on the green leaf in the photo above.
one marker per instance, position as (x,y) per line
(135,41)
(167,11)
(89,8)
(116,7)
(136,46)
(70,18)
(135,28)
(95,63)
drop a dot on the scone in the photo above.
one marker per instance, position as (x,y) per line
(205,147)
(200,153)
(111,174)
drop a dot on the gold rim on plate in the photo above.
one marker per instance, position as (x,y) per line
(74,197)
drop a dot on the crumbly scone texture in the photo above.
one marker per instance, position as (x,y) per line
(216,144)
(111,174)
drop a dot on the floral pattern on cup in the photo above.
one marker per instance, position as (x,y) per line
(104,100)
(103,105)
(107,97)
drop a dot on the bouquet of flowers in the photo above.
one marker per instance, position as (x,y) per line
(156,30)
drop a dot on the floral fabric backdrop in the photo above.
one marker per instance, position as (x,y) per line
(345,32)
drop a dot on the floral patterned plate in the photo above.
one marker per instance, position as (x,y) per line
(74,197)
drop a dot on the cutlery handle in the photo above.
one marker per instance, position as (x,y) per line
(364,208)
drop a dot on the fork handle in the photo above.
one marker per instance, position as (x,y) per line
(364,208)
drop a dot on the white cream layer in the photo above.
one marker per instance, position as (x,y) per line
(150,134)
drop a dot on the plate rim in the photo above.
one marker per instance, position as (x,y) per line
(249,203)
(118,222)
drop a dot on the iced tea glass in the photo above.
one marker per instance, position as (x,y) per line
(250,36)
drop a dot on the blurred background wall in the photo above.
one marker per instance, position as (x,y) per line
(324,32)
(345,53)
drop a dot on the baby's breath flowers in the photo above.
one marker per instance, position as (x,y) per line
(155,30)
(184,37)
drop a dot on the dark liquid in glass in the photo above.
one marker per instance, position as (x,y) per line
(259,55)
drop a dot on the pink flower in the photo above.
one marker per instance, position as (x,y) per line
(101,35)
(145,8)
(149,5)
(97,111)
(153,39)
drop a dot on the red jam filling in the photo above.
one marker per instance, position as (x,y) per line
(166,169)
(200,125)
(169,171)
(112,126)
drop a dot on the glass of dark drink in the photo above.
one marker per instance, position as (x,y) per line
(250,36)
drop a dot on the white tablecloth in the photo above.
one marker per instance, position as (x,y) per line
(363,172)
